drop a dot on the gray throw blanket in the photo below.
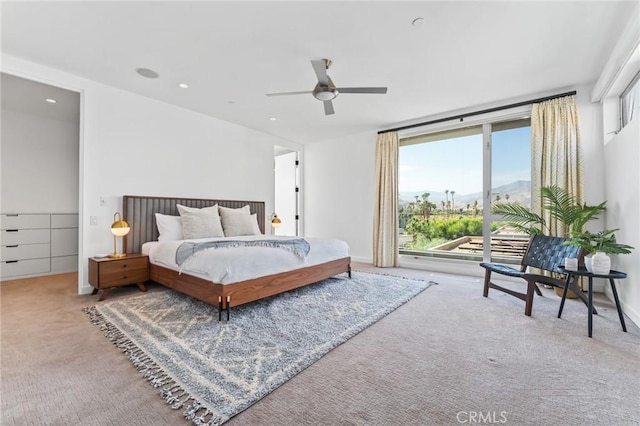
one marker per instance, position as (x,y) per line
(298,246)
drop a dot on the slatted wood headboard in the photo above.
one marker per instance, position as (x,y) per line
(139,212)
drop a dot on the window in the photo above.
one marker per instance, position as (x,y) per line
(442,195)
(510,183)
(630,101)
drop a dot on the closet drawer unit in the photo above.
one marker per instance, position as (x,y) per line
(64,221)
(64,264)
(12,237)
(24,251)
(37,244)
(24,267)
(64,242)
(25,221)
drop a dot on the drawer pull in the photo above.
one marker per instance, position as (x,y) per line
(14,246)
(11,261)
(12,230)
(12,214)
(125,277)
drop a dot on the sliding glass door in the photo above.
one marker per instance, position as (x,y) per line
(440,191)
(448,181)
(510,183)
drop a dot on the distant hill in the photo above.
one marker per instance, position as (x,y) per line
(434,196)
(516,192)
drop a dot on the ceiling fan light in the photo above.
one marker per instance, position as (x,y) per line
(325,95)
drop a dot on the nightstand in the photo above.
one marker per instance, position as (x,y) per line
(108,272)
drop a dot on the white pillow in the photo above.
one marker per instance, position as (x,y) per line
(200,223)
(169,227)
(254,220)
(237,222)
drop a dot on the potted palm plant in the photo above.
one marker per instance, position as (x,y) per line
(598,246)
(564,207)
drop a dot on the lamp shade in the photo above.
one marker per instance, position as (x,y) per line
(275,221)
(120,228)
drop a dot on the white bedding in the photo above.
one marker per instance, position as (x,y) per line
(231,265)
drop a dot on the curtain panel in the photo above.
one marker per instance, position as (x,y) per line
(556,155)
(385,215)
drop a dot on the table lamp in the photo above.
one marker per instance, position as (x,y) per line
(120,228)
(275,221)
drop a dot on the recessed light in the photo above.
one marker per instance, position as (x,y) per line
(417,22)
(183,85)
(272,118)
(51,101)
(146,72)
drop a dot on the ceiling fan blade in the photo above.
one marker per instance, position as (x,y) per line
(290,93)
(372,90)
(320,68)
(328,108)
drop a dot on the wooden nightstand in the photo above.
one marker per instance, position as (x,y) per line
(107,272)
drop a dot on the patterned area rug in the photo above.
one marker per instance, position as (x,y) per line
(214,371)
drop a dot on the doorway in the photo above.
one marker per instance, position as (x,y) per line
(286,191)
(40,178)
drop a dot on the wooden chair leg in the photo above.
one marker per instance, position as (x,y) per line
(529,300)
(537,289)
(487,279)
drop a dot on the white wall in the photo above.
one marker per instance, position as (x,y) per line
(622,177)
(338,191)
(39,164)
(138,146)
(621,158)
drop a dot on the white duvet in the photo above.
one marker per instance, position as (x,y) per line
(231,265)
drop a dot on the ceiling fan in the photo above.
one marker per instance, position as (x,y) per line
(326,91)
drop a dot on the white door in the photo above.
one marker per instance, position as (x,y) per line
(286,192)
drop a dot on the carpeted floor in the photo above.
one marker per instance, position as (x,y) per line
(213,371)
(444,358)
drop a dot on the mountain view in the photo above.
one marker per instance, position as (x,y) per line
(515,192)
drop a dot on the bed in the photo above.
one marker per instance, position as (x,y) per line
(140,213)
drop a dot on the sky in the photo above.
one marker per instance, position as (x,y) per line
(456,164)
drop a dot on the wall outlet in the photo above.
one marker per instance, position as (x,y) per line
(93,220)
(103,201)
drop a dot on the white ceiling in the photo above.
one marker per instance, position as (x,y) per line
(232,53)
(27,96)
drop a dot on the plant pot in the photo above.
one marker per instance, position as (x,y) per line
(600,263)
(587,263)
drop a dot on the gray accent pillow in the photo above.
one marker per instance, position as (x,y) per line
(237,222)
(200,223)
(256,227)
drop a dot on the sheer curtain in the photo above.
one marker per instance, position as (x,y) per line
(556,154)
(385,215)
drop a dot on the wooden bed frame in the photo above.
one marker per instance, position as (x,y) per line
(139,212)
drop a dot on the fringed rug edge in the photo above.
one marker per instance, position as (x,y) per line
(172,393)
